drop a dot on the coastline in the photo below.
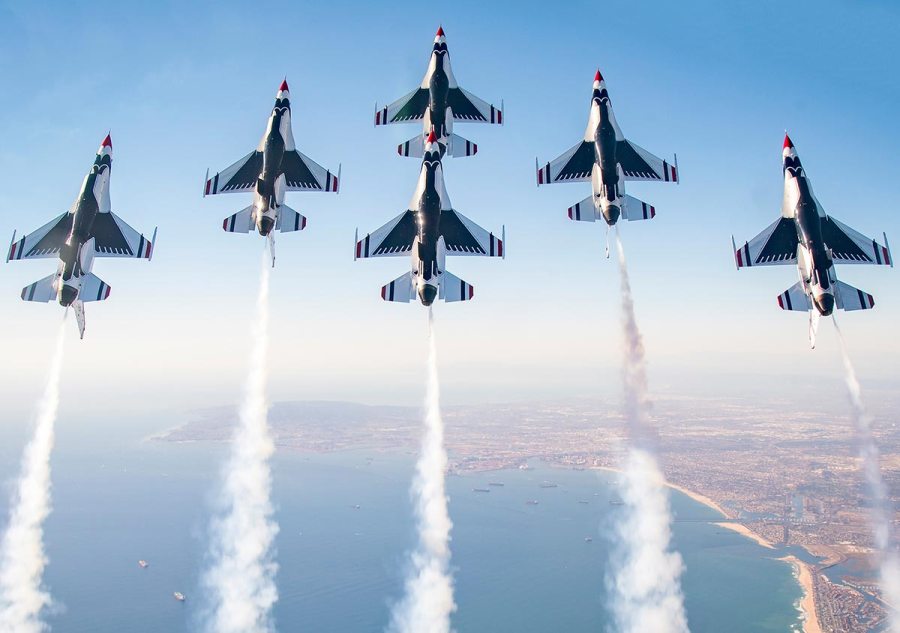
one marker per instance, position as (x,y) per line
(804,576)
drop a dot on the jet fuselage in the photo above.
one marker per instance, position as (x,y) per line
(813,260)
(267,192)
(429,252)
(94,194)
(439,92)
(605,177)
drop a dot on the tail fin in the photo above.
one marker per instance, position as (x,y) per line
(241,222)
(455,289)
(635,209)
(289,220)
(401,289)
(93,288)
(41,290)
(456,146)
(795,298)
(849,298)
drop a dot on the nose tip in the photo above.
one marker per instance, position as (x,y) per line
(266,224)
(825,304)
(427,293)
(67,296)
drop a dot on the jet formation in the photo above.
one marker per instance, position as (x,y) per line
(809,238)
(273,168)
(89,229)
(607,159)
(430,228)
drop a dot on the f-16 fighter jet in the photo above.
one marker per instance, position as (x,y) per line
(805,236)
(429,231)
(270,170)
(437,103)
(88,230)
(607,159)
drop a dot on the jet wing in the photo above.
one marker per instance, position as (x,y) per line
(303,174)
(573,166)
(464,237)
(776,245)
(44,242)
(241,176)
(468,107)
(392,240)
(114,238)
(639,164)
(405,109)
(852,247)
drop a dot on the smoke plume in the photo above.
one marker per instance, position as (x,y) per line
(241,578)
(22,556)
(428,600)
(645,582)
(889,564)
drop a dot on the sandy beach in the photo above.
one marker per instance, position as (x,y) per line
(743,530)
(808,602)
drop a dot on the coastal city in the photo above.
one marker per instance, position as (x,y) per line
(789,481)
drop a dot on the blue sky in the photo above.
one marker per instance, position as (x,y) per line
(186,88)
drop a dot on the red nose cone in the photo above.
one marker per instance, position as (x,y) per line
(598,76)
(431,137)
(440,32)
(787,141)
(107,142)
(284,85)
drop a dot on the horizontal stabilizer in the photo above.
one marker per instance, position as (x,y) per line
(289,220)
(635,209)
(795,298)
(455,289)
(241,222)
(584,211)
(849,298)
(456,146)
(401,289)
(41,290)
(93,288)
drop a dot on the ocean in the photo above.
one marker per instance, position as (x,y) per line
(518,567)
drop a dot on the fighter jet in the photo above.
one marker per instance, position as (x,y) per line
(87,230)
(438,102)
(427,232)
(607,159)
(806,236)
(270,170)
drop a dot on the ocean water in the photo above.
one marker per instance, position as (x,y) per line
(518,568)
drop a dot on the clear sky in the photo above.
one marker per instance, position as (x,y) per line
(188,86)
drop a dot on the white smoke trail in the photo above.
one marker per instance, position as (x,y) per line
(645,584)
(22,556)
(889,564)
(241,578)
(428,600)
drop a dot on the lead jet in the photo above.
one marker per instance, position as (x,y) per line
(89,229)
(427,232)
(437,103)
(606,158)
(269,171)
(807,237)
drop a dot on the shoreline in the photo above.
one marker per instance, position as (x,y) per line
(807,604)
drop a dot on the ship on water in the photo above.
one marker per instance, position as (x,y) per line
(531,502)
(178,596)
(549,484)
(143,564)
(497,484)
(481,489)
